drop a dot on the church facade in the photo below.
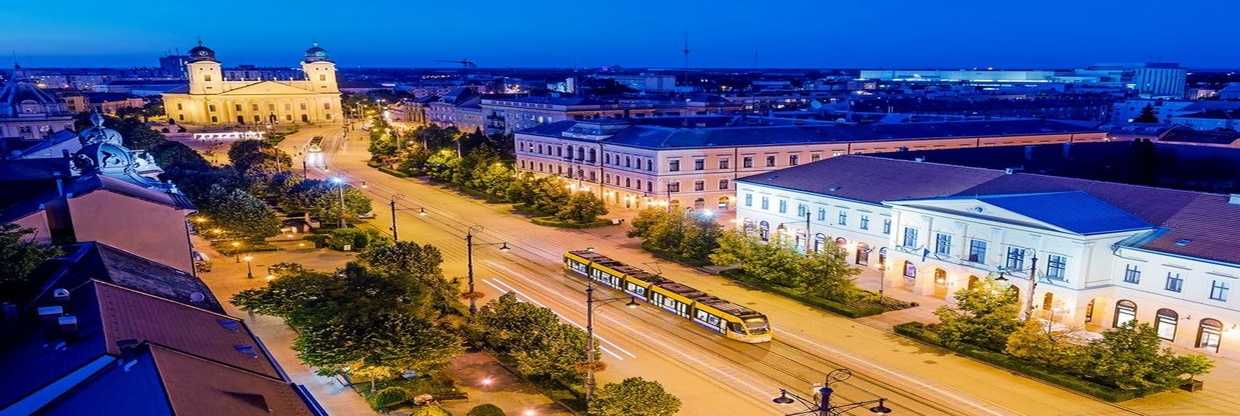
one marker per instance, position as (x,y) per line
(211,100)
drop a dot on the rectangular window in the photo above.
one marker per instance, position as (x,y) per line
(649,186)
(1132,274)
(842,219)
(766,203)
(699,186)
(237,107)
(942,244)
(1056,267)
(749,200)
(1218,291)
(802,210)
(865,222)
(783,206)
(1174,282)
(822,214)
(723,164)
(910,269)
(649,165)
(673,166)
(793,160)
(1015,259)
(673,187)
(910,237)
(699,164)
(814,157)
(977,251)
(770,161)
(723,184)
(747,162)
(886,225)
(628,182)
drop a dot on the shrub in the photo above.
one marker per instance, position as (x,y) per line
(485,410)
(390,397)
(356,238)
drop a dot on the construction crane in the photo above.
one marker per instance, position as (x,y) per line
(465,63)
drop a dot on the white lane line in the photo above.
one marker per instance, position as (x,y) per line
(602,348)
(566,298)
(870,364)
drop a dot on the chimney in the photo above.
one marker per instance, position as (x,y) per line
(128,346)
(49,314)
(60,295)
(68,325)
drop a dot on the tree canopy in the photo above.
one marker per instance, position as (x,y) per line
(20,255)
(634,396)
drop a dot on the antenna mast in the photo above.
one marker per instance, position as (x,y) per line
(685,49)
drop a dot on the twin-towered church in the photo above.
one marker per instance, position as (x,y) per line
(212,100)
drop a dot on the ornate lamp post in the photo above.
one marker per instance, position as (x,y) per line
(1033,283)
(823,406)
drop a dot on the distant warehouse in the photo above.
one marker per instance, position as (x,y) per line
(694,162)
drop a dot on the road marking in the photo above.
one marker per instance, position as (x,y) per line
(601,347)
(873,365)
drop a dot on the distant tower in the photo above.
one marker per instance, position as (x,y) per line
(685,50)
(204,72)
(319,69)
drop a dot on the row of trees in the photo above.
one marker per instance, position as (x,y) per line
(825,273)
(684,236)
(1129,357)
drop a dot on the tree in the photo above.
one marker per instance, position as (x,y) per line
(239,213)
(390,398)
(1034,342)
(985,315)
(1147,115)
(828,274)
(1131,357)
(359,321)
(634,396)
(169,154)
(442,166)
(683,235)
(327,205)
(421,263)
(257,157)
(492,178)
(430,411)
(20,255)
(558,351)
(772,262)
(485,409)
(581,208)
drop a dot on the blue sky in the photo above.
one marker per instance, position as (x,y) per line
(723,33)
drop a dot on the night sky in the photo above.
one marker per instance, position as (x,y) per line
(824,33)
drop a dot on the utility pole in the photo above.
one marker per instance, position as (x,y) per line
(469,264)
(1033,285)
(392,205)
(589,339)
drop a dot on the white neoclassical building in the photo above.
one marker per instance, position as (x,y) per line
(695,162)
(1103,253)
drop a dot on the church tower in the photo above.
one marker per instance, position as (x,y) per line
(205,74)
(320,70)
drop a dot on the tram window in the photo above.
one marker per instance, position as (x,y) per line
(707,318)
(736,327)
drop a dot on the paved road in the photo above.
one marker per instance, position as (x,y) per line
(710,374)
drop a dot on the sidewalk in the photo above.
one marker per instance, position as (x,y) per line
(486,381)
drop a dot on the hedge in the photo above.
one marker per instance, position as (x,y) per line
(486,409)
(920,332)
(667,255)
(392,172)
(840,308)
(554,222)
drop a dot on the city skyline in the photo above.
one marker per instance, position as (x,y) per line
(966,34)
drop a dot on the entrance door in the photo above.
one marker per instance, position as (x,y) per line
(1210,335)
(940,283)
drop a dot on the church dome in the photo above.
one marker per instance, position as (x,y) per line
(317,54)
(201,53)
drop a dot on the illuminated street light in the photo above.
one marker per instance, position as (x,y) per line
(487,381)
(249,267)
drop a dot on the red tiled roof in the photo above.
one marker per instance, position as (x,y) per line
(196,386)
(128,314)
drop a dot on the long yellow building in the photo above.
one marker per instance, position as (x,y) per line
(210,100)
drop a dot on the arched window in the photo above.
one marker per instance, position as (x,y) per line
(940,277)
(1125,311)
(723,203)
(569,149)
(863,254)
(1089,311)
(819,240)
(699,203)
(747,227)
(764,231)
(1209,334)
(1048,301)
(591,160)
(1165,322)
(841,241)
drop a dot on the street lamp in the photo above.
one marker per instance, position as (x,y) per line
(249,267)
(1033,282)
(823,406)
(469,263)
(340,187)
(590,301)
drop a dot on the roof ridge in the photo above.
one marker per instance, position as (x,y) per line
(184,305)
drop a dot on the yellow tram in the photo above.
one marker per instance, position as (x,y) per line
(733,321)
